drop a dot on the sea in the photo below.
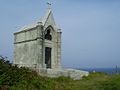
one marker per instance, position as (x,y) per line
(104,70)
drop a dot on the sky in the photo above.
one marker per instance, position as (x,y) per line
(90,29)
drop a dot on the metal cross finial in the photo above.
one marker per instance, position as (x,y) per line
(49,4)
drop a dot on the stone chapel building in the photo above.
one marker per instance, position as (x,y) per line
(38,46)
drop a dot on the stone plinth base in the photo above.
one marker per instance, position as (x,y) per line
(72,73)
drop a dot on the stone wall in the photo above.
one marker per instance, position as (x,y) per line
(25,53)
(30,48)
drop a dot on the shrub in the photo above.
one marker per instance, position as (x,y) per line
(14,78)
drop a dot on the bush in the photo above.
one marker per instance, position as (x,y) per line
(14,78)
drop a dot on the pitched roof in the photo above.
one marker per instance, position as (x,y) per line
(43,21)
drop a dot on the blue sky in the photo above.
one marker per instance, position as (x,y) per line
(91,29)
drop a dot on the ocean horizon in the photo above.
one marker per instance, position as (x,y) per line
(104,70)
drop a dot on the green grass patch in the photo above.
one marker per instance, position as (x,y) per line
(14,78)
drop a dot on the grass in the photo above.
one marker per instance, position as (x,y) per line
(14,78)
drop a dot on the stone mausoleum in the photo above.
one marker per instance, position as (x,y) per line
(38,46)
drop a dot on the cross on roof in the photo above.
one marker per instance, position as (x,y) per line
(49,4)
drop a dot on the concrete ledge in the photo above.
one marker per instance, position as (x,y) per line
(76,74)
(72,73)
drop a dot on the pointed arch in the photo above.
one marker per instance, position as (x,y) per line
(48,33)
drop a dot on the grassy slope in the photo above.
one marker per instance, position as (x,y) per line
(14,78)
